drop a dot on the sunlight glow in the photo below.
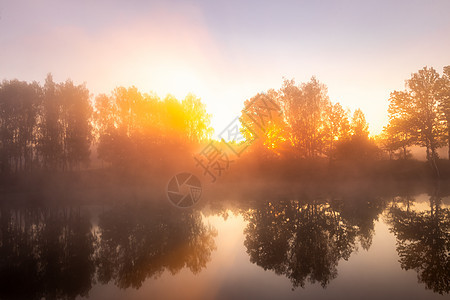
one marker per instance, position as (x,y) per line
(179,81)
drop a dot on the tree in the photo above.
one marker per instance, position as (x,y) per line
(197,119)
(113,122)
(359,126)
(309,123)
(337,126)
(392,144)
(50,131)
(263,124)
(76,120)
(415,115)
(358,148)
(19,108)
(425,87)
(398,131)
(65,131)
(397,134)
(135,128)
(304,108)
(445,104)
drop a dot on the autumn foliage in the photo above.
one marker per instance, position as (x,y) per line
(62,127)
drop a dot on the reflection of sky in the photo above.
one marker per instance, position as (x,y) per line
(421,202)
(372,274)
(227,51)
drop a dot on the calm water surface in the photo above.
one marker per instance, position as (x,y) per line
(339,247)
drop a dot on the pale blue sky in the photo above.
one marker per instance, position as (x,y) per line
(227,51)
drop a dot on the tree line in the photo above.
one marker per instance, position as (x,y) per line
(44,126)
(310,125)
(130,125)
(56,126)
(313,126)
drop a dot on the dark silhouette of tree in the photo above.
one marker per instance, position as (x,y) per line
(302,240)
(19,105)
(45,253)
(46,126)
(139,242)
(360,211)
(50,143)
(76,121)
(445,103)
(423,242)
(53,253)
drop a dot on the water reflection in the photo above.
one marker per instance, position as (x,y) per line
(54,253)
(423,240)
(138,242)
(64,252)
(45,252)
(305,239)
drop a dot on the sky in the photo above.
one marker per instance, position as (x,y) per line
(227,51)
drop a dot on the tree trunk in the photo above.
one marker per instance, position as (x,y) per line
(433,162)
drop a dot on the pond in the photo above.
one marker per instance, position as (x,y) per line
(347,246)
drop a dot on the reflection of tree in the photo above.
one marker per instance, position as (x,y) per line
(360,212)
(54,253)
(45,253)
(141,242)
(303,241)
(423,243)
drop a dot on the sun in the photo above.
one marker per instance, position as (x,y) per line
(183,81)
(178,79)
(173,79)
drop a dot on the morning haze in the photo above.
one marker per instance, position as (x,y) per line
(224,150)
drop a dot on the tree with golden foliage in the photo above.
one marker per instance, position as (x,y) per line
(417,115)
(132,125)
